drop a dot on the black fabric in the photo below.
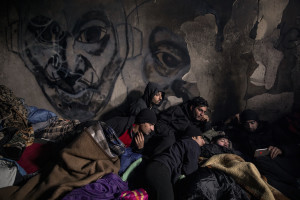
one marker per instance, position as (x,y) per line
(146,100)
(13,153)
(282,173)
(208,184)
(171,124)
(120,124)
(157,175)
(146,116)
(248,114)
(158,182)
(180,158)
(158,144)
(192,131)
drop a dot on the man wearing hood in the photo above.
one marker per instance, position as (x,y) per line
(175,120)
(152,98)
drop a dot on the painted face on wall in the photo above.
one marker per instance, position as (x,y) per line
(164,56)
(73,49)
(167,62)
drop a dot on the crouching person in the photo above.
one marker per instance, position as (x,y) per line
(180,159)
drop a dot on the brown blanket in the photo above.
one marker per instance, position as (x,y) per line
(245,174)
(82,162)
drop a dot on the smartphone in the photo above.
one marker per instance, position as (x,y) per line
(261,152)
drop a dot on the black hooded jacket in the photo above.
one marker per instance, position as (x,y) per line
(170,126)
(176,119)
(146,100)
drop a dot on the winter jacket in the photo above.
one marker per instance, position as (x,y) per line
(170,126)
(176,119)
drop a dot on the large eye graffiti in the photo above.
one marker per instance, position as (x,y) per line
(169,58)
(93,39)
(169,52)
(168,62)
(92,34)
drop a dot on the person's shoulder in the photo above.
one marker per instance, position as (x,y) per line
(140,101)
(172,109)
(137,106)
(188,142)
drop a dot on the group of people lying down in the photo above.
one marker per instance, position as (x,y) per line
(148,153)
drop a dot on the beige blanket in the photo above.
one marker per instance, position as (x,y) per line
(245,174)
(82,162)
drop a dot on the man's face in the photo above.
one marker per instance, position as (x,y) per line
(146,128)
(224,142)
(199,112)
(199,140)
(157,98)
(250,125)
(74,53)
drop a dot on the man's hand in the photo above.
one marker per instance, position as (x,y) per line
(139,140)
(274,151)
(205,118)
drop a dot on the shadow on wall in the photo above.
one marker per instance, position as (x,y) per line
(123,108)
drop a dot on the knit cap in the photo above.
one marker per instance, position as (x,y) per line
(192,131)
(248,114)
(146,116)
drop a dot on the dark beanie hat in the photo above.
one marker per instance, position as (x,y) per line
(192,131)
(248,114)
(146,116)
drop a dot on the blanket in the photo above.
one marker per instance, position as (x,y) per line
(83,161)
(245,174)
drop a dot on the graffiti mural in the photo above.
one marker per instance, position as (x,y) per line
(74,52)
(86,55)
(77,50)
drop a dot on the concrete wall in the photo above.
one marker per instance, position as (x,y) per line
(84,58)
